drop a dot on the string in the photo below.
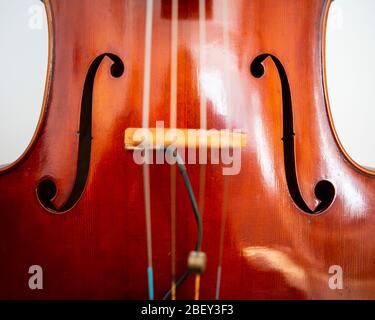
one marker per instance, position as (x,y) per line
(145,124)
(182,168)
(225,196)
(197,286)
(203,114)
(202,61)
(173,124)
(222,233)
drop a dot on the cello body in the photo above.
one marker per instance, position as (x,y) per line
(298,214)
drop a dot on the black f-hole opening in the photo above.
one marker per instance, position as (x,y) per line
(324,189)
(47,189)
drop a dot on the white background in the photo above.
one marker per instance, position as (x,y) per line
(23,67)
(350,70)
(350,54)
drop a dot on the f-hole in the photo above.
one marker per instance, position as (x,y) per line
(47,189)
(324,189)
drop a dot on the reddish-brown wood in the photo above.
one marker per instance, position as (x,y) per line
(272,249)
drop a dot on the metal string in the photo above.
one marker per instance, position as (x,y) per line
(225,196)
(145,124)
(173,124)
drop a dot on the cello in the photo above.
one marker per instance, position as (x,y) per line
(294,222)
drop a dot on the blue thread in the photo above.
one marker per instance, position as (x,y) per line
(150,283)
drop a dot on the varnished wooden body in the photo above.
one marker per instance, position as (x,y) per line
(272,249)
